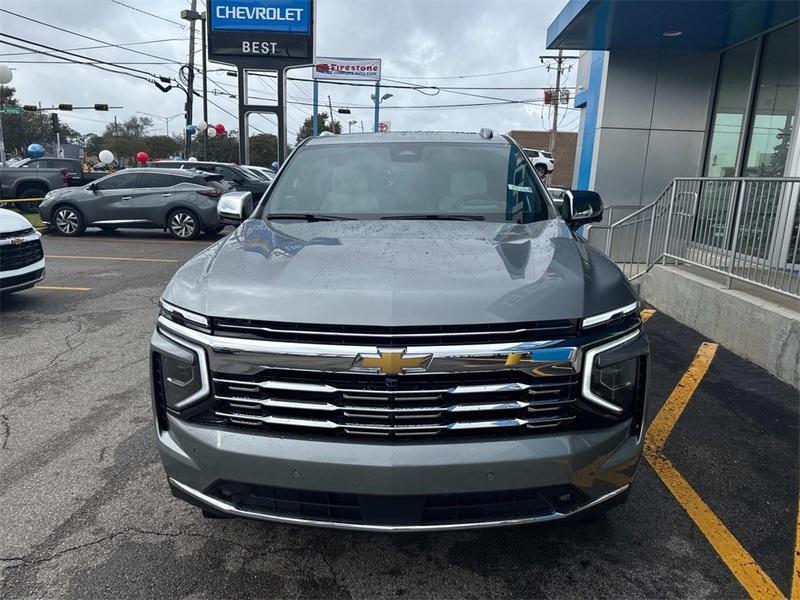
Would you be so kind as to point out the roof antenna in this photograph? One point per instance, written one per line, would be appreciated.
(486, 133)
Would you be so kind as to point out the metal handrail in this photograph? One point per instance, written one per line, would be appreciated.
(745, 228)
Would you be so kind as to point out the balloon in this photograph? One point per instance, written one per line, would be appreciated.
(142, 157)
(190, 129)
(36, 151)
(212, 132)
(275, 165)
(219, 128)
(202, 126)
(106, 157)
(5, 74)
(192, 159)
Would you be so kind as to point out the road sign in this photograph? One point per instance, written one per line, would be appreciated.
(384, 126)
(352, 69)
(14, 110)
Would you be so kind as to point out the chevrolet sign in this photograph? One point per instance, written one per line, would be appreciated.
(284, 16)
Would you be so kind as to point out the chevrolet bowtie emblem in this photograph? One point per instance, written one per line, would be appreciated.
(391, 362)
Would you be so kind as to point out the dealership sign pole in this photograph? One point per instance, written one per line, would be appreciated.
(261, 35)
(343, 69)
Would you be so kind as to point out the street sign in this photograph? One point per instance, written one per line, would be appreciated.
(14, 110)
(261, 34)
(348, 69)
(384, 126)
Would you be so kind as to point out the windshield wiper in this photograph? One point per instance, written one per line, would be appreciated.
(434, 217)
(309, 217)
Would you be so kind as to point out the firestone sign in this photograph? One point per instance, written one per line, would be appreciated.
(353, 69)
(266, 34)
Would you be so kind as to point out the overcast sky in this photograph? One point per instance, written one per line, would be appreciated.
(418, 40)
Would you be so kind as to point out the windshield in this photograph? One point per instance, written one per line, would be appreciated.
(490, 182)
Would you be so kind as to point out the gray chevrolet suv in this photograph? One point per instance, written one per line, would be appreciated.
(404, 335)
(183, 202)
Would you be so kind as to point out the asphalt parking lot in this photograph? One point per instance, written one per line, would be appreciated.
(85, 511)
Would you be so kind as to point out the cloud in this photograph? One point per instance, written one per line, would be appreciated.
(415, 38)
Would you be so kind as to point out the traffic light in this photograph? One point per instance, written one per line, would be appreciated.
(101, 106)
(30, 108)
(54, 122)
(65, 107)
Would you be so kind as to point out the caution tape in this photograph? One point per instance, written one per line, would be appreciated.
(18, 200)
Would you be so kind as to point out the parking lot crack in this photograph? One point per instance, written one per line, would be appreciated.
(68, 340)
(5, 431)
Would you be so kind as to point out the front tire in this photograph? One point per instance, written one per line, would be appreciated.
(213, 230)
(68, 221)
(541, 171)
(183, 224)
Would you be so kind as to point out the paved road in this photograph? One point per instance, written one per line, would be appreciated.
(85, 511)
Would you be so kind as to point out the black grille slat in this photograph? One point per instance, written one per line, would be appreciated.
(9, 282)
(18, 233)
(17, 256)
(392, 336)
(431, 509)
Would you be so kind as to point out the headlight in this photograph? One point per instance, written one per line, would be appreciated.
(614, 374)
(182, 371)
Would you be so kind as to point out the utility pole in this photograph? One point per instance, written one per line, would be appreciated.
(556, 97)
(330, 115)
(205, 88)
(190, 83)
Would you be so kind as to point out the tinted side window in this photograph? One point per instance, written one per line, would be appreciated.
(532, 153)
(227, 174)
(118, 182)
(156, 180)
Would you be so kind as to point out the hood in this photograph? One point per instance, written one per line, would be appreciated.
(12, 221)
(396, 273)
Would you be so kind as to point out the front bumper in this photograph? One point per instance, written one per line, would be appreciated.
(599, 465)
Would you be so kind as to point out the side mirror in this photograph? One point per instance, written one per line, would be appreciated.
(93, 186)
(581, 207)
(234, 207)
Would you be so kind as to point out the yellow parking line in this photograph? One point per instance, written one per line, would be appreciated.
(647, 313)
(157, 260)
(148, 241)
(752, 577)
(62, 288)
(749, 574)
(669, 414)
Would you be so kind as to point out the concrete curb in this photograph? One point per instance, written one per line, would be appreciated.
(757, 329)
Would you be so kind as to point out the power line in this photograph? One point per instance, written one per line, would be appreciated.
(52, 62)
(86, 37)
(69, 60)
(471, 76)
(81, 56)
(99, 46)
(144, 12)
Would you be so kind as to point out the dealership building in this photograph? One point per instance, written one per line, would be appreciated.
(688, 130)
(679, 88)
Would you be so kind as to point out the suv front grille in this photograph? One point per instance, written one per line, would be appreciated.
(408, 406)
(395, 336)
(13, 256)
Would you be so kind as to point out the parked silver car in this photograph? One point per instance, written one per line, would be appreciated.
(181, 201)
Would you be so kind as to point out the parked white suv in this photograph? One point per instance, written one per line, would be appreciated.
(21, 255)
(542, 161)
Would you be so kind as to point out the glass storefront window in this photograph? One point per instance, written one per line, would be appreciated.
(733, 91)
(775, 104)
